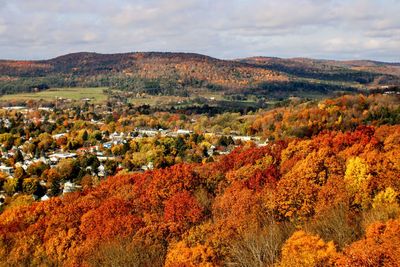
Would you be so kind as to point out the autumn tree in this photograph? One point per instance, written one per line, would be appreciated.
(356, 179)
(380, 247)
(31, 186)
(182, 255)
(182, 210)
(303, 249)
(67, 169)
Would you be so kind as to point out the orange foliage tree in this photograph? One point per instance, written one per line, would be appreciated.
(303, 249)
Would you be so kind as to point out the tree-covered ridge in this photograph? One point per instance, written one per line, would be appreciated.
(174, 73)
(325, 198)
(361, 71)
(134, 71)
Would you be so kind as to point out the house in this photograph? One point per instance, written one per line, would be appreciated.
(91, 149)
(103, 158)
(7, 170)
(117, 137)
(107, 145)
(101, 171)
(181, 131)
(210, 151)
(46, 109)
(26, 164)
(263, 144)
(7, 123)
(42, 159)
(151, 132)
(391, 93)
(15, 108)
(58, 156)
(69, 187)
(58, 136)
(242, 138)
(163, 132)
(44, 198)
(147, 167)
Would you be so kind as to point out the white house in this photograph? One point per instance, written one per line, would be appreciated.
(181, 131)
(58, 136)
(7, 170)
(69, 187)
(242, 138)
(44, 198)
(147, 167)
(58, 156)
(101, 171)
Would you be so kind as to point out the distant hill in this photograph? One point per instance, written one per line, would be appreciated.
(365, 72)
(176, 73)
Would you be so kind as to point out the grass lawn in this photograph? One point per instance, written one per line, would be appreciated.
(75, 93)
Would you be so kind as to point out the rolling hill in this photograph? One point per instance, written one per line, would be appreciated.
(177, 73)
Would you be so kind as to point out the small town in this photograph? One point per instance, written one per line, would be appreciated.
(66, 159)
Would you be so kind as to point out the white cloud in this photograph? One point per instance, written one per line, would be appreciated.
(225, 29)
(3, 27)
(89, 36)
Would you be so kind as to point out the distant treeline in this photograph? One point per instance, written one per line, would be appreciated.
(155, 86)
(296, 88)
(333, 74)
(168, 85)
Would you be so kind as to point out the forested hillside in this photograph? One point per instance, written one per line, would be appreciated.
(323, 197)
(176, 73)
(361, 71)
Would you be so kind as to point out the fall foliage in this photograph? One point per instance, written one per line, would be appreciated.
(328, 198)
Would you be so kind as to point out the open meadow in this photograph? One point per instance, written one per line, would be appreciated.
(96, 94)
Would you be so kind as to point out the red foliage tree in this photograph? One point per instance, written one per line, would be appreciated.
(182, 210)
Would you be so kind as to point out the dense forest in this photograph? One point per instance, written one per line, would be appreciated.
(176, 73)
(363, 72)
(322, 191)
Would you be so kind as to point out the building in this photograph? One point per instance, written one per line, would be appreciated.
(91, 149)
(147, 167)
(182, 131)
(7, 170)
(242, 138)
(69, 187)
(56, 157)
(101, 171)
(44, 198)
(151, 132)
(58, 136)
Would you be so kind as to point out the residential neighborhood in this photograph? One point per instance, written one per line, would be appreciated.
(48, 152)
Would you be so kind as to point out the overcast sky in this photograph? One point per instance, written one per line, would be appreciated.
(332, 29)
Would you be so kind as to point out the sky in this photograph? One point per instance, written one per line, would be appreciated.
(228, 29)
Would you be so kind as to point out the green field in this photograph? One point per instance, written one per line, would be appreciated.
(76, 93)
(157, 100)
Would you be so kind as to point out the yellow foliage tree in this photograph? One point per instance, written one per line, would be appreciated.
(385, 197)
(356, 178)
(384, 207)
